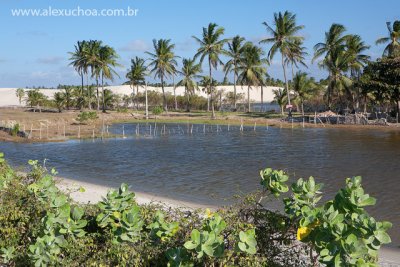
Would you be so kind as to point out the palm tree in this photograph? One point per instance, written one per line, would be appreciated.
(163, 63)
(296, 55)
(109, 99)
(304, 87)
(136, 75)
(251, 69)
(280, 98)
(284, 34)
(190, 71)
(35, 98)
(235, 50)
(59, 101)
(79, 59)
(208, 87)
(355, 48)
(93, 61)
(20, 93)
(393, 48)
(337, 64)
(211, 45)
(67, 95)
(333, 49)
(107, 61)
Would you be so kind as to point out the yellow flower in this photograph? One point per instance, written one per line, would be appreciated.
(303, 232)
(208, 214)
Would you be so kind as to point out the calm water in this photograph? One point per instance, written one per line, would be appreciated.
(210, 167)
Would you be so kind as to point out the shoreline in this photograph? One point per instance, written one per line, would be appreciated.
(94, 193)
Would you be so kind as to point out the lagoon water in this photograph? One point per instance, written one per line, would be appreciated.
(210, 167)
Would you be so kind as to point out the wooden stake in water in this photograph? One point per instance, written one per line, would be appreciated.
(150, 129)
(255, 125)
(191, 129)
(93, 135)
(204, 128)
(228, 127)
(79, 132)
(123, 131)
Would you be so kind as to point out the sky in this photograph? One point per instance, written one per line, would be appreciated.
(34, 50)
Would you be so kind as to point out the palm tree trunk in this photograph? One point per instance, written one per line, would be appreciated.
(302, 108)
(248, 99)
(211, 91)
(286, 83)
(88, 92)
(234, 89)
(262, 97)
(137, 98)
(187, 99)
(102, 90)
(97, 91)
(176, 103)
(164, 98)
(81, 101)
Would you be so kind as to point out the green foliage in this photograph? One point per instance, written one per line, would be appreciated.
(157, 110)
(247, 241)
(7, 254)
(41, 226)
(162, 229)
(15, 130)
(274, 181)
(87, 116)
(208, 242)
(340, 231)
(178, 257)
(121, 215)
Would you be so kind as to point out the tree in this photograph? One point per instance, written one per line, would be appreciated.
(382, 79)
(235, 50)
(190, 71)
(284, 35)
(163, 63)
(20, 93)
(93, 61)
(355, 48)
(304, 88)
(35, 98)
(79, 59)
(208, 87)
(280, 98)
(107, 61)
(109, 99)
(136, 76)
(211, 46)
(333, 49)
(68, 97)
(251, 69)
(59, 101)
(393, 48)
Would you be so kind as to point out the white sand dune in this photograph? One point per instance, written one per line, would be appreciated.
(8, 95)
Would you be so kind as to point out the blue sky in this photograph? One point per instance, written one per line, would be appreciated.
(34, 50)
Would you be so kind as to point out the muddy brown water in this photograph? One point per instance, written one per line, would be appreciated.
(209, 164)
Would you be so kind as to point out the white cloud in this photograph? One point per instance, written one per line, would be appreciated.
(50, 60)
(135, 46)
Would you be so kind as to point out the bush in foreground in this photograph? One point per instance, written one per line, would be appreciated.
(41, 226)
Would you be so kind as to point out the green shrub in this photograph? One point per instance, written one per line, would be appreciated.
(157, 110)
(87, 116)
(15, 130)
(40, 225)
(340, 231)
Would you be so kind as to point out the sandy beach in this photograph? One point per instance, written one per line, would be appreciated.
(94, 193)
